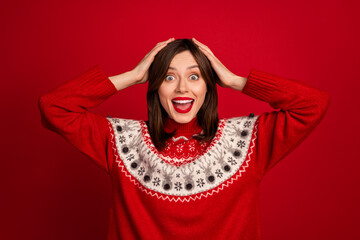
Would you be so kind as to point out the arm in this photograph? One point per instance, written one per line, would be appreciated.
(301, 108)
(123, 80)
(64, 110)
(279, 132)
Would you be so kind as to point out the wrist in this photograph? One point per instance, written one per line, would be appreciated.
(123, 80)
(238, 83)
(132, 77)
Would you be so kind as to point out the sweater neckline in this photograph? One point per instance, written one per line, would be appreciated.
(174, 160)
(182, 129)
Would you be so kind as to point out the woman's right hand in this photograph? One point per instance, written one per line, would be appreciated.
(141, 71)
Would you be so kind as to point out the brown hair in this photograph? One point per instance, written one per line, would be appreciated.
(207, 115)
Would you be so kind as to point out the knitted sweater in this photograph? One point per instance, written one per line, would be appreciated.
(190, 190)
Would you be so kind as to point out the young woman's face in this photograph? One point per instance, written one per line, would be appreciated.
(183, 90)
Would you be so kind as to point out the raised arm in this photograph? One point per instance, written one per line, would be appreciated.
(64, 110)
(279, 132)
(140, 73)
(301, 109)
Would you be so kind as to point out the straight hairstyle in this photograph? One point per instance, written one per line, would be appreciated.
(207, 115)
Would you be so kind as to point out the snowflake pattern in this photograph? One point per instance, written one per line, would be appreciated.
(241, 143)
(156, 181)
(122, 139)
(178, 186)
(130, 157)
(203, 144)
(141, 171)
(179, 148)
(189, 178)
(200, 182)
(247, 124)
(218, 173)
(231, 160)
(192, 147)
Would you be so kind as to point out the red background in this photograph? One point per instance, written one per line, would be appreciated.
(52, 191)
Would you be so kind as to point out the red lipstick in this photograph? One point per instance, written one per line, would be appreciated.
(182, 104)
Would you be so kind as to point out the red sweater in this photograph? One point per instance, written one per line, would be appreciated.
(189, 190)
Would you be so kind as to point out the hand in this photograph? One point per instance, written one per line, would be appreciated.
(227, 78)
(141, 71)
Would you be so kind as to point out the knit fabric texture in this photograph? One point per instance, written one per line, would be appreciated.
(189, 190)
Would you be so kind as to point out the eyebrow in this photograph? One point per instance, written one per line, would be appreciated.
(193, 66)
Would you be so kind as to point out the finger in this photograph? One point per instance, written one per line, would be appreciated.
(215, 62)
(199, 43)
(203, 45)
(167, 41)
(210, 56)
(208, 49)
(207, 52)
(162, 44)
(158, 47)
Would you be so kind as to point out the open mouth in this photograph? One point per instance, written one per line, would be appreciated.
(182, 105)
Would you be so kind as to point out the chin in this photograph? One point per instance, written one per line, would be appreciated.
(183, 119)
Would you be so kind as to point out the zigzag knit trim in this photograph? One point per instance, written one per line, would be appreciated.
(182, 198)
(174, 159)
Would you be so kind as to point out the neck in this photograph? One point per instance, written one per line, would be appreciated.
(182, 129)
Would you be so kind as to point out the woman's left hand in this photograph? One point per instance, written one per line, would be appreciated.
(227, 78)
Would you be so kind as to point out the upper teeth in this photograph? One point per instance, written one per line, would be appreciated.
(182, 101)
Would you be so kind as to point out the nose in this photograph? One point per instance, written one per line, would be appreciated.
(182, 86)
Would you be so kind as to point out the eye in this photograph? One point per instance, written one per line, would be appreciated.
(194, 77)
(169, 77)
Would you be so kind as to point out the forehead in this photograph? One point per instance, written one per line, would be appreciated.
(183, 60)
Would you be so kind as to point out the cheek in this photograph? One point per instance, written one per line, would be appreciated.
(163, 96)
(200, 91)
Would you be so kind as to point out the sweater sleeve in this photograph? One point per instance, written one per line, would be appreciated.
(64, 110)
(302, 107)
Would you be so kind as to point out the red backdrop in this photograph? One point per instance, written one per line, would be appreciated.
(52, 191)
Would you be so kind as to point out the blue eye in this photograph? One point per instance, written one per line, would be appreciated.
(197, 77)
(167, 77)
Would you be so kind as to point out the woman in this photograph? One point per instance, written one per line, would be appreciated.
(184, 173)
